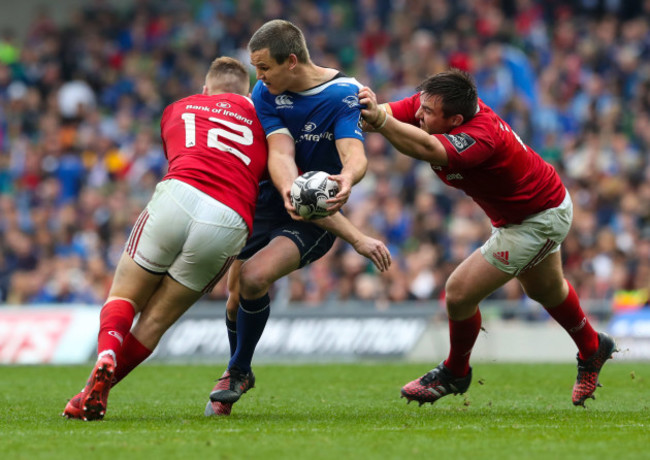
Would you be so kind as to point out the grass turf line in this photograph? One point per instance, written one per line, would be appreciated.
(329, 411)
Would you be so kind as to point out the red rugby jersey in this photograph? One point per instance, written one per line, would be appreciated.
(217, 144)
(490, 163)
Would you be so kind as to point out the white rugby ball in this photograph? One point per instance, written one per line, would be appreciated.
(310, 192)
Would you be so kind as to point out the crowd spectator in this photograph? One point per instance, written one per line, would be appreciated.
(80, 152)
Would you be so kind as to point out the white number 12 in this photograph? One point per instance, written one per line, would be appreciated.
(245, 138)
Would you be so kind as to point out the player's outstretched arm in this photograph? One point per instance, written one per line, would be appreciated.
(368, 247)
(408, 139)
(367, 127)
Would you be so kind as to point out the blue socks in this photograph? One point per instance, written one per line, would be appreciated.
(231, 327)
(251, 320)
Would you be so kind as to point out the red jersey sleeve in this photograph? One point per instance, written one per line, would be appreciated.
(405, 109)
(467, 146)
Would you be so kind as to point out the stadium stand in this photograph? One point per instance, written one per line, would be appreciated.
(80, 101)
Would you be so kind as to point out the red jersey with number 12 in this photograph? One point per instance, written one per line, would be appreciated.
(217, 144)
(489, 162)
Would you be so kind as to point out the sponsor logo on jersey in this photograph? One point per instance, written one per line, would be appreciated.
(234, 115)
(436, 168)
(223, 105)
(316, 137)
(501, 256)
(461, 142)
(197, 107)
(309, 126)
(284, 101)
(455, 176)
(352, 101)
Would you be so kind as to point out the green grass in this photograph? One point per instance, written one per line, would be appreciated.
(330, 412)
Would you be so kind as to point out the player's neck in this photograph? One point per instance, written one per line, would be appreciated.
(308, 76)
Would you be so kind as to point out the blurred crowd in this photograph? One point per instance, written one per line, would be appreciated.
(80, 152)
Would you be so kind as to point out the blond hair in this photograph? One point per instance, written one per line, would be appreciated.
(227, 75)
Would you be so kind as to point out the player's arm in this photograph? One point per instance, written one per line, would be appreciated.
(282, 166)
(355, 163)
(408, 139)
(367, 127)
(365, 245)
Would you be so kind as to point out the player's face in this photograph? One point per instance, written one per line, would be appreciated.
(274, 76)
(431, 116)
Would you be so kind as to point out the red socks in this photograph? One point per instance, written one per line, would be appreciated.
(132, 354)
(115, 321)
(570, 316)
(462, 336)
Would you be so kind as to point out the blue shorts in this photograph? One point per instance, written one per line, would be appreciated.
(312, 241)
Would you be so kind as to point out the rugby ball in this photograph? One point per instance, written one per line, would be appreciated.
(310, 192)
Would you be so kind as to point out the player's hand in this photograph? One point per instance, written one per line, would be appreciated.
(374, 250)
(291, 209)
(372, 114)
(345, 188)
(366, 127)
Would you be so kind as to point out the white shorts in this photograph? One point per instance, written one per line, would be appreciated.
(187, 234)
(516, 248)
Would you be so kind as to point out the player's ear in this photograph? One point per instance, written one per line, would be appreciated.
(457, 120)
(293, 61)
(205, 90)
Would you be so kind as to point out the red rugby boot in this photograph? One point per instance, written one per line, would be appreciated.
(232, 384)
(589, 369)
(435, 384)
(217, 408)
(73, 408)
(95, 395)
(229, 388)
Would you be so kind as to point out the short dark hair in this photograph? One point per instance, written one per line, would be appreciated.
(457, 92)
(228, 75)
(282, 38)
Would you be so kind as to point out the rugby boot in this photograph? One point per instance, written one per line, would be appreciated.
(589, 369)
(232, 384)
(73, 408)
(217, 408)
(95, 394)
(435, 384)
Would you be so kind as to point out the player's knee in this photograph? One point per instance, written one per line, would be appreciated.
(454, 304)
(232, 305)
(455, 297)
(254, 281)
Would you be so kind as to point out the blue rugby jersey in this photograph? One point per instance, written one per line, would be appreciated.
(315, 118)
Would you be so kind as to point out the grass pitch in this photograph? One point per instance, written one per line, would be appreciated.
(329, 412)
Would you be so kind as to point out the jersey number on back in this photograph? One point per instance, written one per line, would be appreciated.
(510, 130)
(245, 138)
